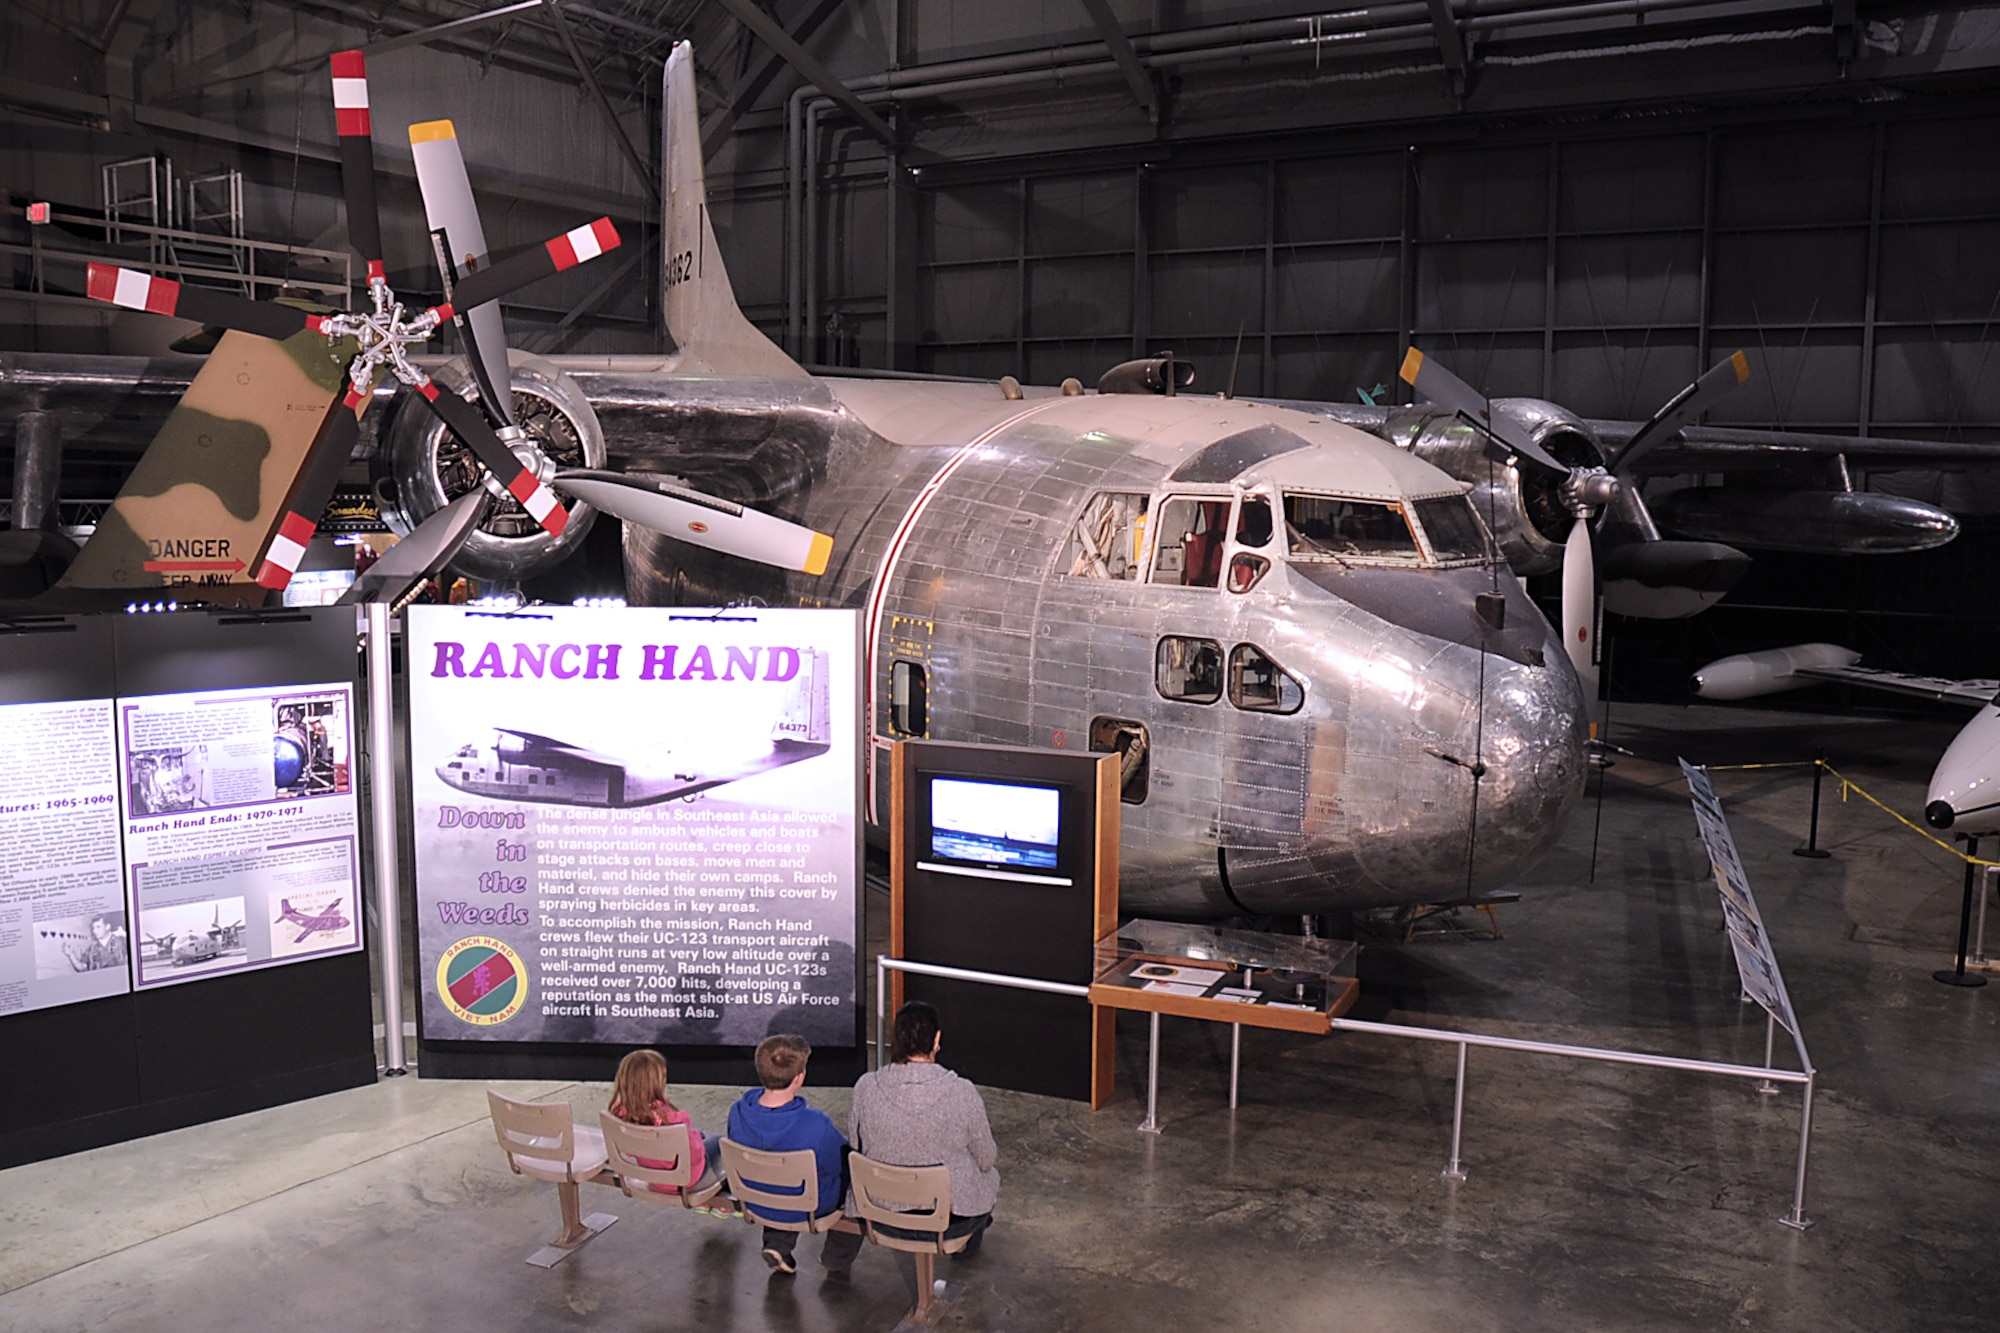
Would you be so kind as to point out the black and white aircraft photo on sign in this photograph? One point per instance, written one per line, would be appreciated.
(528, 767)
(1303, 630)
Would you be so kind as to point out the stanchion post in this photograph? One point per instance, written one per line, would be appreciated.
(1152, 1125)
(881, 989)
(1455, 1169)
(1958, 976)
(1797, 1219)
(1812, 848)
(382, 813)
(1979, 958)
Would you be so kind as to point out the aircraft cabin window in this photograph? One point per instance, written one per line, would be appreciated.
(1452, 525)
(1130, 742)
(1189, 550)
(1105, 542)
(1259, 685)
(909, 691)
(1326, 527)
(1189, 670)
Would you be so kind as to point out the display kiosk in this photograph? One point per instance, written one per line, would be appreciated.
(1005, 861)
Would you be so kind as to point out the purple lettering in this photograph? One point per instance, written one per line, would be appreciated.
(533, 656)
(658, 663)
(789, 656)
(747, 660)
(604, 656)
(699, 660)
(556, 667)
(489, 663)
(450, 660)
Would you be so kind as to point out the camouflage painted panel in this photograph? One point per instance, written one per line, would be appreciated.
(202, 501)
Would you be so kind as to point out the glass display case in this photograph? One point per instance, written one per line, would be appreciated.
(1225, 976)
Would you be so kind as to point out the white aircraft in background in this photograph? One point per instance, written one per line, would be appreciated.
(1964, 791)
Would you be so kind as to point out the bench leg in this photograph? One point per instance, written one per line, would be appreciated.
(576, 1228)
(933, 1297)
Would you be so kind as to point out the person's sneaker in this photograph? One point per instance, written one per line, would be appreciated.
(780, 1261)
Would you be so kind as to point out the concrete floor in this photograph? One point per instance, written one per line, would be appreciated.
(1600, 1197)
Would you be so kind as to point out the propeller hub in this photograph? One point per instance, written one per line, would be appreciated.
(1588, 490)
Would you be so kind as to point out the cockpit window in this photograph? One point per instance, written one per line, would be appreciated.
(1453, 528)
(1189, 544)
(1105, 541)
(1326, 527)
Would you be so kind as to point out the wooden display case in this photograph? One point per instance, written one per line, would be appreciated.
(1225, 976)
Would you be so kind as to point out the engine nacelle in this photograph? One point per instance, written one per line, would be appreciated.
(1523, 504)
(429, 467)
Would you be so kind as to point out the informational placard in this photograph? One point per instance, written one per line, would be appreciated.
(240, 829)
(1756, 964)
(636, 825)
(64, 936)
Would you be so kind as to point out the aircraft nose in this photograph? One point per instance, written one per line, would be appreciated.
(1533, 745)
(1965, 787)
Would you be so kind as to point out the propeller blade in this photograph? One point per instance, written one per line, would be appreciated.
(449, 207)
(311, 489)
(565, 251)
(702, 520)
(357, 158)
(1445, 389)
(429, 548)
(470, 425)
(1717, 381)
(163, 296)
(1579, 611)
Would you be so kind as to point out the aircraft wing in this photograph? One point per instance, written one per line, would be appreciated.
(1742, 449)
(1975, 693)
(549, 745)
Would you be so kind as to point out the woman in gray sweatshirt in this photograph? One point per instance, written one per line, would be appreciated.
(915, 1112)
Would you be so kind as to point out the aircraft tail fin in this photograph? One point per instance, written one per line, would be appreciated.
(702, 315)
(209, 492)
(807, 715)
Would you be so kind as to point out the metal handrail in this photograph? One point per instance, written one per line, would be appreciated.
(1454, 1168)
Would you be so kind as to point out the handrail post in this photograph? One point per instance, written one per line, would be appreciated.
(387, 830)
(1235, 1059)
(1455, 1169)
(1766, 1086)
(1797, 1219)
(881, 989)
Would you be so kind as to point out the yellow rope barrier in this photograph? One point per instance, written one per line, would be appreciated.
(1848, 784)
(1731, 768)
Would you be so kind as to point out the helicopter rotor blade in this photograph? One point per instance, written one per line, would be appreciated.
(357, 158)
(577, 246)
(134, 290)
(470, 425)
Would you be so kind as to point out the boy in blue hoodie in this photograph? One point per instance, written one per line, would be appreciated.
(776, 1119)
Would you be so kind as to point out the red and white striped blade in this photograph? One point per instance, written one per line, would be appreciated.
(163, 296)
(701, 520)
(470, 425)
(357, 157)
(576, 246)
(449, 206)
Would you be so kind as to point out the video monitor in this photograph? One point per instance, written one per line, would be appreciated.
(1000, 829)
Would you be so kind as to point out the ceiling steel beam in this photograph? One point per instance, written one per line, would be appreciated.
(625, 145)
(431, 34)
(1451, 45)
(1129, 65)
(767, 30)
(752, 85)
